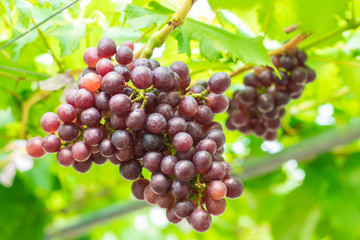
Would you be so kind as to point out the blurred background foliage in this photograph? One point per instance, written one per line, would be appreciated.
(303, 186)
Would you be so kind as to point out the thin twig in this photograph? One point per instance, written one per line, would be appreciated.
(24, 71)
(38, 25)
(26, 106)
(291, 28)
(18, 78)
(42, 35)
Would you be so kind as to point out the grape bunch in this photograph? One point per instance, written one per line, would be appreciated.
(140, 115)
(259, 106)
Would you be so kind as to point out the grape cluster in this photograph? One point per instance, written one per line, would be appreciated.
(259, 106)
(138, 114)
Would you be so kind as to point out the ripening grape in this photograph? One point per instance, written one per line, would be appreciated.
(106, 47)
(34, 147)
(49, 122)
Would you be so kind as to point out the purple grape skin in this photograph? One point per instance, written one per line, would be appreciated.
(235, 188)
(288, 62)
(180, 189)
(156, 123)
(124, 55)
(182, 142)
(154, 63)
(51, 143)
(219, 82)
(202, 161)
(266, 78)
(180, 68)
(176, 125)
(64, 157)
(81, 151)
(188, 106)
(66, 113)
(216, 172)
(163, 78)
(138, 187)
(151, 103)
(120, 104)
(142, 62)
(124, 71)
(70, 96)
(106, 148)
(98, 159)
(204, 115)
(106, 47)
(152, 161)
(122, 139)
(152, 142)
(68, 132)
(195, 130)
(167, 165)
(248, 95)
(184, 170)
(93, 136)
(283, 80)
(102, 100)
(171, 217)
(208, 145)
(142, 77)
(84, 99)
(113, 83)
(218, 103)
(299, 75)
(218, 136)
(200, 220)
(82, 167)
(166, 110)
(172, 98)
(183, 208)
(125, 155)
(252, 80)
(136, 119)
(50, 122)
(130, 170)
(165, 201)
(160, 184)
(91, 117)
(118, 123)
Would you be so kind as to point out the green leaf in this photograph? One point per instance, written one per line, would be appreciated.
(24, 12)
(139, 17)
(215, 43)
(69, 36)
(183, 43)
(54, 3)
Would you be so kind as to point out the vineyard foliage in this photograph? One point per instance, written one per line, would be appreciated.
(315, 199)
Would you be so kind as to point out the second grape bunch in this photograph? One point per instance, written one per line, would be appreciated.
(138, 114)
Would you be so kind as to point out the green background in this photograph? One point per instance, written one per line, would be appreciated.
(304, 186)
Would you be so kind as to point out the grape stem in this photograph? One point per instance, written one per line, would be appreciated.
(291, 28)
(200, 95)
(159, 37)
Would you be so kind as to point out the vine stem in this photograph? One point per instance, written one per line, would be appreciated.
(26, 106)
(159, 37)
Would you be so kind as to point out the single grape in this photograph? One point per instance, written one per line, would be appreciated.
(120, 104)
(311, 75)
(142, 77)
(124, 55)
(122, 139)
(301, 57)
(167, 165)
(204, 115)
(152, 161)
(106, 148)
(128, 44)
(68, 132)
(299, 75)
(154, 64)
(180, 189)
(266, 78)
(118, 123)
(176, 125)
(70, 96)
(200, 220)
(91, 81)
(152, 142)
(216, 190)
(184, 83)
(84, 99)
(216, 172)
(98, 159)
(219, 82)
(288, 62)
(183, 208)
(104, 66)
(218, 136)
(271, 136)
(208, 145)
(136, 119)
(51, 143)
(265, 103)
(215, 207)
(165, 201)
(171, 217)
(91, 57)
(160, 184)
(102, 100)
(66, 113)
(184, 170)
(93, 136)
(34, 148)
(248, 95)
(171, 97)
(82, 167)
(163, 78)
(138, 187)
(151, 103)
(194, 130)
(125, 155)
(156, 123)
(113, 83)
(106, 47)
(130, 170)
(281, 98)
(188, 106)
(149, 195)
(166, 110)
(180, 68)
(143, 62)
(186, 155)
(218, 103)
(283, 80)
(113, 159)
(49, 122)
(202, 161)
(238, 118)
(64, 157)
(235, 188)
(81, 151)
(252, 80)
(182, 142)
(91, 117)
(124, 71)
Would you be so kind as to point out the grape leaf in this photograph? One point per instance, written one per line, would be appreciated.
(24, 12)
(215, 43)
(69, 36)
(139, 17)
